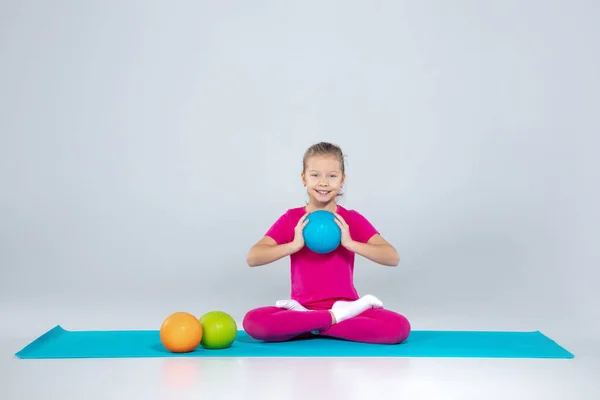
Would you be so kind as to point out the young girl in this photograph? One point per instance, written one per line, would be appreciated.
(324, 300)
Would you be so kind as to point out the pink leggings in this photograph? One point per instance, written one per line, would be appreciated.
(273, 324)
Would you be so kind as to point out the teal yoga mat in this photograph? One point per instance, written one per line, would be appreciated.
(61, 343)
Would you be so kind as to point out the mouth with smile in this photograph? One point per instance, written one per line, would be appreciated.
(323, 192)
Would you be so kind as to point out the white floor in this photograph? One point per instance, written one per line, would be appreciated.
(301, 378)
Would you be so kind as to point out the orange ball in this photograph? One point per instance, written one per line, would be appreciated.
(181, 332)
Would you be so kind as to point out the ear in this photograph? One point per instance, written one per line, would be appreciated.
(343, 180)
(302, 178)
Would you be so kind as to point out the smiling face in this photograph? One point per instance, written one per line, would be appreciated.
(323, 178)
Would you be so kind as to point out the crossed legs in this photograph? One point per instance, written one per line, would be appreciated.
(364, 320)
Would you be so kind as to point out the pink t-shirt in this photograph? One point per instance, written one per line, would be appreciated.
(318, 280)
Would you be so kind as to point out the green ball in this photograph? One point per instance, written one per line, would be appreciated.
(219, 330)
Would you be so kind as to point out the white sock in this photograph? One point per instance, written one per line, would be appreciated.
(343, 310)
(290, 305)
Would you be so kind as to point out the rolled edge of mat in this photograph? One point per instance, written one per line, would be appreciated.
(49, 335)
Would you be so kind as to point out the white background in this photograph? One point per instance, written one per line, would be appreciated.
(144, 147)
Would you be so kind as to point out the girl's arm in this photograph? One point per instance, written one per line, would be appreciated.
(267, 251)
(377, 249)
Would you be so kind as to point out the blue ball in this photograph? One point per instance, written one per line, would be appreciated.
(321, 233)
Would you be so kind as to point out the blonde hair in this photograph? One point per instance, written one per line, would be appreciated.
(324, 149)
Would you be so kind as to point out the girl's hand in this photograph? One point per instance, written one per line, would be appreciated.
(298, 242)
(346, 239)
